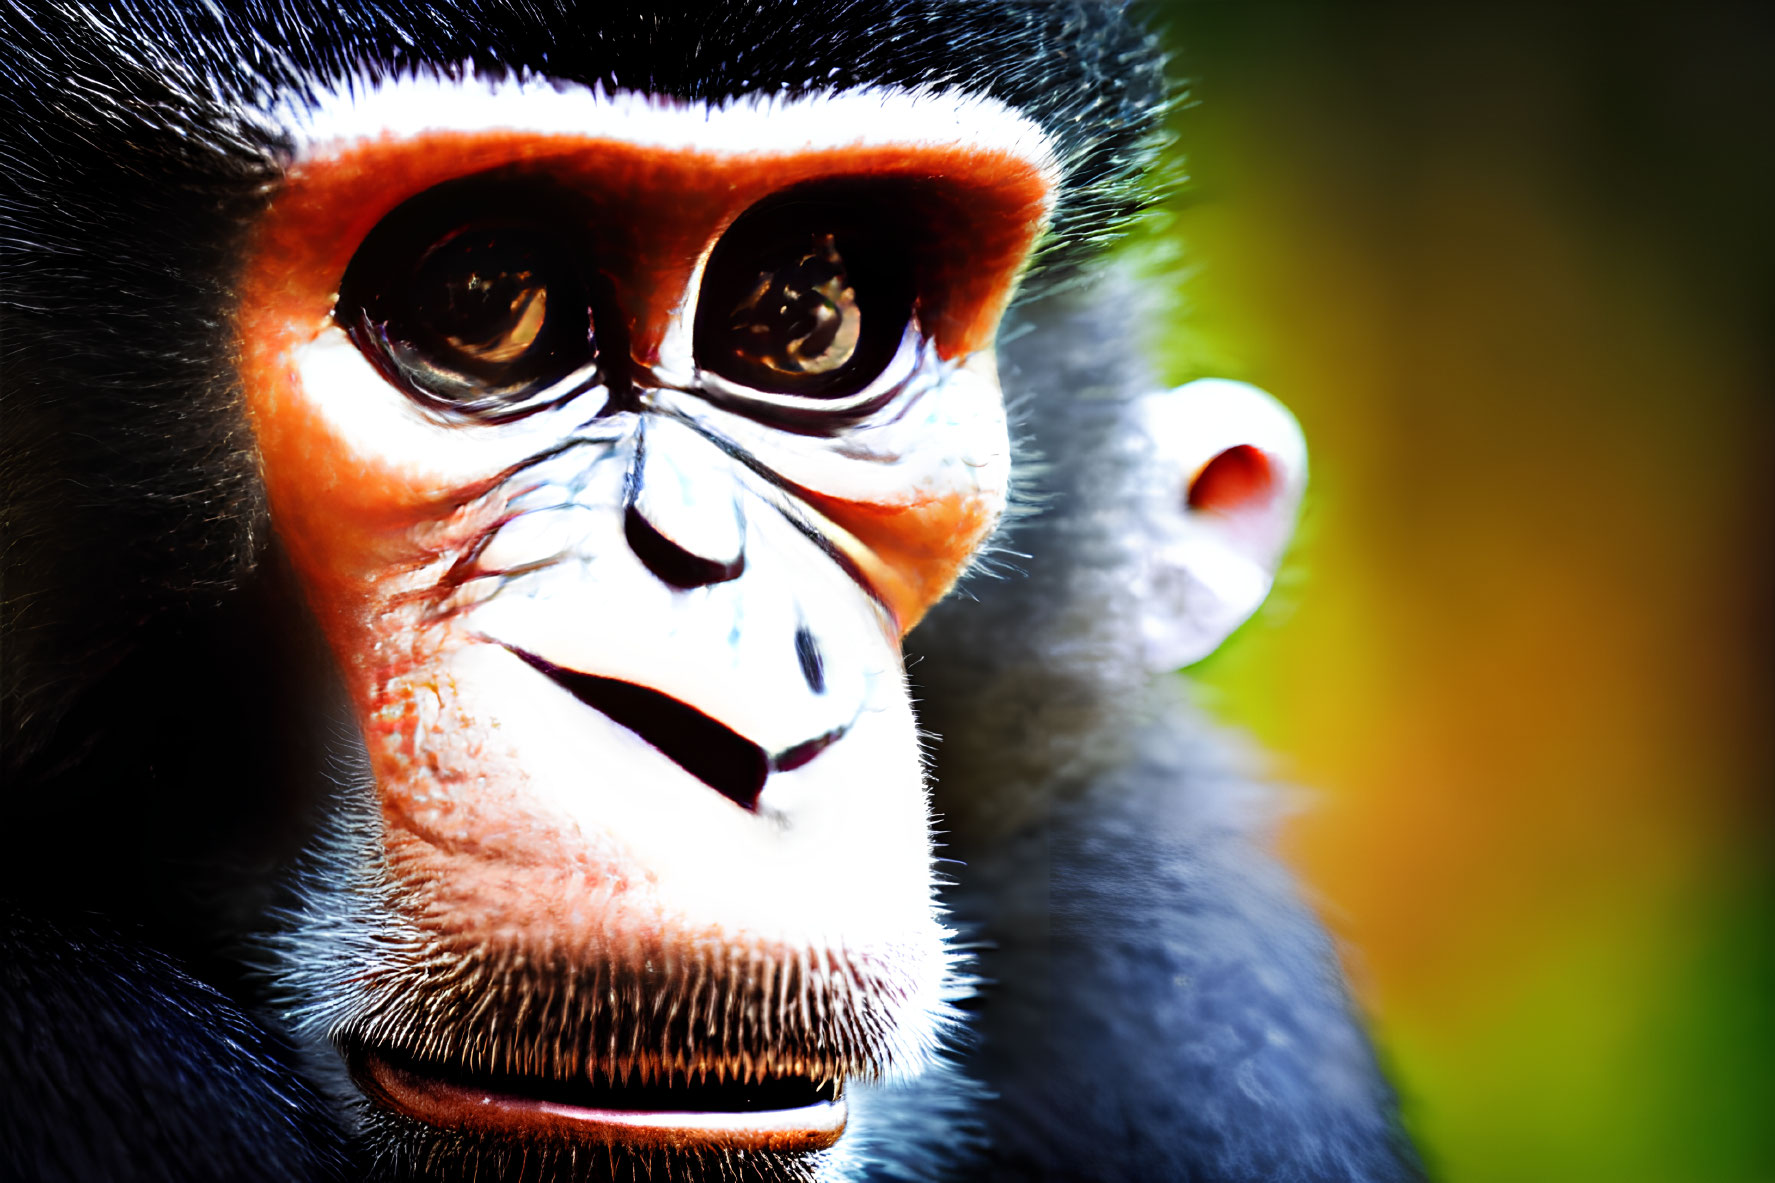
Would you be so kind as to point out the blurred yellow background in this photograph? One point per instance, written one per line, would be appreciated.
(1513, 266)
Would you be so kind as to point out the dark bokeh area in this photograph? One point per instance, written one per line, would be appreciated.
(1513, 267)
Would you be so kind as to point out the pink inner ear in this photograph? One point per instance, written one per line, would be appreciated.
(1242, 477)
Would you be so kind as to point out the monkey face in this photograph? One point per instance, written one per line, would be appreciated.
(616, 445)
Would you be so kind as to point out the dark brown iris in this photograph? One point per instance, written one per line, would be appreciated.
(801, 318)
(803, 298)
(489, 302)
(469, 310)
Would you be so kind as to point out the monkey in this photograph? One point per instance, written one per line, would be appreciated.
(468, 475)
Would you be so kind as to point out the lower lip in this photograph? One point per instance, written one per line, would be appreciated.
(448, 1105)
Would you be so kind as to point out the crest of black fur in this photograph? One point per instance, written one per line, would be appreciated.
(136, 158)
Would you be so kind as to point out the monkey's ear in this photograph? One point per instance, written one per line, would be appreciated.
(1222, 469)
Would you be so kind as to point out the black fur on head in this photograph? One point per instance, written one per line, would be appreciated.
(138, 152)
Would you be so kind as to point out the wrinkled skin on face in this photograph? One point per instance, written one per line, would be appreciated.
(614, 474)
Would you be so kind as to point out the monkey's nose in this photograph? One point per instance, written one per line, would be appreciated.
(682, 519)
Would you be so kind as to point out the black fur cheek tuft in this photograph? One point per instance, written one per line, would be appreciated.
(116, 1064)
(127, 487)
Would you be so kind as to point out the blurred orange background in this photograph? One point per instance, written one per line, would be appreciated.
(1513, 267)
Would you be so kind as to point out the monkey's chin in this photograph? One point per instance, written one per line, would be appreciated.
(775, 1117)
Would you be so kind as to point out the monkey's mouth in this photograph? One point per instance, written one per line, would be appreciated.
(781, 1115)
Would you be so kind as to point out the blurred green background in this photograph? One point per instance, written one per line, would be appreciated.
(1513, 266)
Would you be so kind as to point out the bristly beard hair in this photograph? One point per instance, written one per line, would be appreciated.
(348, 972)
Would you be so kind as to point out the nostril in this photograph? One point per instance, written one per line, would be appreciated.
(712, 752)
(672, 563)
(813, 664)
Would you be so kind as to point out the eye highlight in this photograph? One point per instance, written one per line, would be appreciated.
(800, 298)
(473, 308)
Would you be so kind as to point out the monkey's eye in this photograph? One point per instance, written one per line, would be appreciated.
(490, 318)
(800, 320)
(798, 302)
